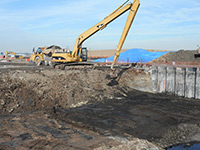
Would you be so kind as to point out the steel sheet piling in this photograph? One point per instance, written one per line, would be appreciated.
(178, 81)
(170, 85)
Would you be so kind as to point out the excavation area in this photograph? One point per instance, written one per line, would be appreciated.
(45, 108)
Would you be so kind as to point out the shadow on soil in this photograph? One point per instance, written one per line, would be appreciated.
(115, 77)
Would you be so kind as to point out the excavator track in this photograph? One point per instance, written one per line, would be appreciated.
(75, 66)
(88, 66)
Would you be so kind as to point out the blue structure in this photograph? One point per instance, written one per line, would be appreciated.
(135, 55)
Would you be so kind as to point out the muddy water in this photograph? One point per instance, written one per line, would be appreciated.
(186, 147)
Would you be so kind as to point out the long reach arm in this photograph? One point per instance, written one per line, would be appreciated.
(131, 16)
(101, 25)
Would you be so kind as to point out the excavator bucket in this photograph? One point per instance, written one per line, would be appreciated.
(112, 75)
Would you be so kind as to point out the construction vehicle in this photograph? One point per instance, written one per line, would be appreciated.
(43, 54)
(37, 56)
(79, 53)
(198, 52)
(16, 56)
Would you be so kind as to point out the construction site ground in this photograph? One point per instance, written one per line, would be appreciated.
(45, 108)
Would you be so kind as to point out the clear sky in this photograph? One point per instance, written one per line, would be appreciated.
(159, 24)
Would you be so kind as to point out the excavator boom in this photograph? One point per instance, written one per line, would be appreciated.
(131, 16)
(101, 25)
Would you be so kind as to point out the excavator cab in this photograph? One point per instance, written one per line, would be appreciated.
(39, 51)
(84, 54)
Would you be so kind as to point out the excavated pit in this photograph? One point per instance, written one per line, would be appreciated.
(42, 108)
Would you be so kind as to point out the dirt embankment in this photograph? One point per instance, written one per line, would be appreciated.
(42, 89)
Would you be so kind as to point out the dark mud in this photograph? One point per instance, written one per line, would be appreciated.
(160, 119)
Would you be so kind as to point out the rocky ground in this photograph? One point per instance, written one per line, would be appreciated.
(43, 108)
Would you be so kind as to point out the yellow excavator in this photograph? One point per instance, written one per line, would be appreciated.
(79, 53)
(16, 56)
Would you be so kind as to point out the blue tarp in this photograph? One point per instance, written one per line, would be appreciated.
(134, 55)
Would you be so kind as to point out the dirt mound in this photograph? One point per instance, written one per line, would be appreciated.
(33, 90)
(181, 55)
(14, 94)
(52, 49)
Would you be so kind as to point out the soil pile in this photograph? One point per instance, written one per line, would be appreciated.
(43, 89)
(181, 55)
